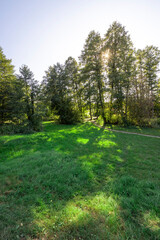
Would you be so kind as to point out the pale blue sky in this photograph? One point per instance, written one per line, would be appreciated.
(40, 33)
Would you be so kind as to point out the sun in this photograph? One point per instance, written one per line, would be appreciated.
(105, 55)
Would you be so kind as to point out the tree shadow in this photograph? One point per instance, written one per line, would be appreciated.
(58, 176)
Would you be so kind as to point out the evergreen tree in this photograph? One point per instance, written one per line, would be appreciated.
(8, 98)
(30, 89)
(58, 88)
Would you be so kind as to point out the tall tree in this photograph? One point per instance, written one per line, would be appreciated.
(29, 87)
(58, 88)
(92, 73)
(151, 69)
(118, 45)
(7, 89)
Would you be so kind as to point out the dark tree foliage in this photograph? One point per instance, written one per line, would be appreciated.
(112, 80)
(119, 68)
(7, 89)
(30, 89)
(91, 61)
(58, 81)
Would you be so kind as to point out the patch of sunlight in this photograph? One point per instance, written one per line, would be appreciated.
(97, 207)
(80, 210)
(119, 151)
(68, 131)
(109, 133)
(94, 158)
(128, 147)
(73, 212)
(82, 140)
(18, 153)
(57, 215)
(111, 167)
(117, 158)
(51, 139)
(103, 203)
(60, 150)
(106, 143)
(151, 221)
(12, 137)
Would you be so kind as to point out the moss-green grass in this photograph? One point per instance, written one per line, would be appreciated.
(133, 129)
(137, 129)
(79, 182)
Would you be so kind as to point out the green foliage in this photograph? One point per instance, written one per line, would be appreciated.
(119, 66)
(92, 75)
(24, 127)
(61, 97)
(8, 94)
(36, 122)
(112, 81)
(30, 90)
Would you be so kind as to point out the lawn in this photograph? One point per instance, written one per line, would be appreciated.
(79, 182)
(137, 129)
(133, 129)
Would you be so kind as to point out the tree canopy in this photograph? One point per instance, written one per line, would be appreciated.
(112, 80)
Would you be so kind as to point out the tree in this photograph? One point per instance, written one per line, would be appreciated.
(29, 88)
(120, 60)
(8, 98)
(58, 89)
(72, 80)
(151, 69)
(144, 89)
(92, 74)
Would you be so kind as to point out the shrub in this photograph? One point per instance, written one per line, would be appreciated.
(35, 123)
(26, 127)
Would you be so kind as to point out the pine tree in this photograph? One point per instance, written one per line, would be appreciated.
(60, 95)
(30, 89)
(8, 98)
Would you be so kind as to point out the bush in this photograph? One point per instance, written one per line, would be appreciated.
(35, 123)
(66, 111)
(15, 128)
(155, 123)
(26, 127)
(69, 116)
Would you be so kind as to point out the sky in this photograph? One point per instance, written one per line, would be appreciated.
(40, 33)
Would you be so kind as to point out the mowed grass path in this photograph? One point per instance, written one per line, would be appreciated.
(79, 182)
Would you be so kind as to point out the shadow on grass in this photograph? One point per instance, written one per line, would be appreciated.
(70, 182)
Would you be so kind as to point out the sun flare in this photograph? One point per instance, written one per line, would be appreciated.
(106, 55)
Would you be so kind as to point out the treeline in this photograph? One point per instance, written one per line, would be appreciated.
(112, 81)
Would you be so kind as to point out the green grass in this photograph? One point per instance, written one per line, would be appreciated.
(132, 129)
(136, 129)
(79, 182)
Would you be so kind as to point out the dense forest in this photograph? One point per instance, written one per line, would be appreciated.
(111, 81)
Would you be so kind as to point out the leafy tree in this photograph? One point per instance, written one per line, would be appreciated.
(58, 89)
(151, 69)
(8, 98)
(120, 60)
(92, 74)
(144, 89)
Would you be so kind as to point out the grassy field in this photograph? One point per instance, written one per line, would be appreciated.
(132, 129)
(147, 131)
(79, 182)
